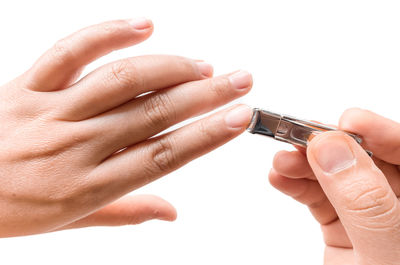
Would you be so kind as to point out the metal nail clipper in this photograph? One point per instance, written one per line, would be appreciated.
(289, 129)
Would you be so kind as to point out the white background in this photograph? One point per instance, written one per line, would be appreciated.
(311, 59)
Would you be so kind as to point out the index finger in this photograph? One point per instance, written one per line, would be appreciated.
(380, 135)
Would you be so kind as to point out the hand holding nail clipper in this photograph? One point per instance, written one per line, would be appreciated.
(353, 196)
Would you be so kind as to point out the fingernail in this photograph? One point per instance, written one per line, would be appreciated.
(140, 23)
(238, 117)
(241, 79)
(333, 154)
(206, 70)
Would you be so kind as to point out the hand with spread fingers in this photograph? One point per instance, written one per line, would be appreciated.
(353, 196)
(71, 149)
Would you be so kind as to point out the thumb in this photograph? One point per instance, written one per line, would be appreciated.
(129, 210)
(361, 195)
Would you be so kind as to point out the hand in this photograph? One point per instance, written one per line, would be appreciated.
(353, 197)
(70, 149)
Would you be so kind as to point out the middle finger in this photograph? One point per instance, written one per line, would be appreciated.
(119, 82)
(148, 115)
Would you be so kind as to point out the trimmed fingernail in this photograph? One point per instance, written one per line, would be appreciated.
(333, 154)
(238, 117)
(205, 69)
(241, 79)
(140, 23)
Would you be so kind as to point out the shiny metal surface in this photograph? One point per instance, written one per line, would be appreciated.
(289, 129)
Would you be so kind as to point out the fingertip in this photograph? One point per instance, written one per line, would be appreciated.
(313, 143)
(206, 70)
(170, 216)
(279, 160)
(301, 149)
(168, 213)
(238, 117)
(141, 23)
(276, 180)
(354, 120)
(272, 177)
(241, 80)
(292, 164)
(149, 207)
(160, 208)
(334, 152)
(138, 30)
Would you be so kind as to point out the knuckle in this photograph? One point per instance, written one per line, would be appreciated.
(315, 204)
(186, 65)
(219, 86)
(206, 132)
(61, 51)
(374, 203)
(178, 65)
(158, 109)
(163, 155)
(350, 118)
(301, 193)
(125, 74)
(303, 196)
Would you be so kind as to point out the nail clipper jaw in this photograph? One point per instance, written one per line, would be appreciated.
(282, 128)
(264, 122)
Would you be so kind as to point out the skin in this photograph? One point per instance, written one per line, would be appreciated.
(71, 149)
(352, 196)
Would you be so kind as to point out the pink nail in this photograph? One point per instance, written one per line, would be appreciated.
(333, 154)
(241, 79)
(238, 117)
(205, 69)
(140, 23)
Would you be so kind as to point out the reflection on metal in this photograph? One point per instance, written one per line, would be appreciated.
(289, 129)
